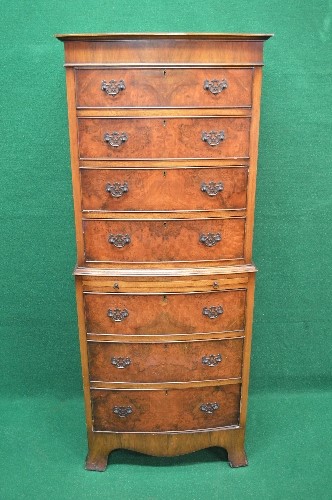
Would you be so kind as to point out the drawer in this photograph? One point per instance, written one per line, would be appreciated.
(164, 240)
(165, 362)
(206, 87)
(197, 137)
(165, 410)
(126, 189)
(121, 314)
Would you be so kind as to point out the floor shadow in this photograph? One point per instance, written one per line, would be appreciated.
(127, 457)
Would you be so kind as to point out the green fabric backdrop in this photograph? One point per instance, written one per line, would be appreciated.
(42, 425)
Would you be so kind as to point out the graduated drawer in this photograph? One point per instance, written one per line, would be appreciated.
(165, 410)
(126, 138)
(165, 362)
(206, 87)
(158, 314)
(163, 240)
(128, 189)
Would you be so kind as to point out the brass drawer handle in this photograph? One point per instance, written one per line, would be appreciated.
(122, 411)
(212, 312)
(117, 189)
(215, 86)
(115, 139)
(212, 188)
(210, 239)
(113, 87)
(121, 362)
(211, 360)
(213, 138)
(119, 240)
(209, 407)
(117, 315)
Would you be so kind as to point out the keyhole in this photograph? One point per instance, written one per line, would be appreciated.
(164, 174)
(164, 72)
(165, 224)
(165, 298)
(164, 123)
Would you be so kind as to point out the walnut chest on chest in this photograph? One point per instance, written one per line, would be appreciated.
(164, 137)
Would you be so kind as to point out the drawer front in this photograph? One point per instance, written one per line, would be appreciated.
(153, 314)
(198, 137)
(219, 87)
(119, 190)
(165, 410)
(168, 241)
(165, 362)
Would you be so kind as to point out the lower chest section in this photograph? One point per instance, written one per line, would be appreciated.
(165, 356)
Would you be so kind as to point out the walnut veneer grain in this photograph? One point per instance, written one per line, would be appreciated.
(164, 189)
(157, 87)
(157, 314)
(165, 362)
(166, 410)
(164, 137)
(164, 240)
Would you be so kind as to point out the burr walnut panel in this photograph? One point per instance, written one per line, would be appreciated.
(164, 87)
(135, 138)
(163, 314)
(117, 190)
(165, 410)
(158, 240)
(165, 362)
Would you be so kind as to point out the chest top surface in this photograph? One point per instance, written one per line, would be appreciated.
(164, 48)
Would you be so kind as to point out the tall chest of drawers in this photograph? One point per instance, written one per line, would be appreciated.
(164, 138)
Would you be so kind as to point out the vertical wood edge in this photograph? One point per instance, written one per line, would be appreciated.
(84, 351)
(247, 349)
(74, 160)
(253, 153)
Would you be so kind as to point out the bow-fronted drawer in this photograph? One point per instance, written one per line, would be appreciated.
(163, 314)
(135, 190)
(165, 410)
(163, 87)
(139, 240)
(165, 362)
(169, 137)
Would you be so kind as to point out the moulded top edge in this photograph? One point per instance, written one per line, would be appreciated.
(84, 37)
(88, 271)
